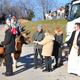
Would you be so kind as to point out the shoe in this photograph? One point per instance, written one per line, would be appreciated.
(50, 70)
(35, 67)
(41, 67)
(59, 65)
(8, 74)
(45, 70)
(4, 73)
(55, 66)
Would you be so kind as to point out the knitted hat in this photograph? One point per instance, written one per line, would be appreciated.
(39, 27)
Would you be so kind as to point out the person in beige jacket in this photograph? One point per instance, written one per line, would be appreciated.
(47, 49)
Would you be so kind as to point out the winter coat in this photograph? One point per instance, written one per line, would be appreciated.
(38, 36)
(13, 22)
(57, 50)
(14, 30)
(9, 42)
(47, 44)
(19, 27)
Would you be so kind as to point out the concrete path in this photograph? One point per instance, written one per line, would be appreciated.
(25, 69)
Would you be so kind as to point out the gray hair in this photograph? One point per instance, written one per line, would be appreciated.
(7, 26)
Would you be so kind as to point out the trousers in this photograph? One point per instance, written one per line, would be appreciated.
(36, 52)
(8, 63)
(48, 63)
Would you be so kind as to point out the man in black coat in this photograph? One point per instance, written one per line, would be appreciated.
(9, 43)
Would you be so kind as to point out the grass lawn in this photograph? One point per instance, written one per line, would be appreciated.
(50, 24)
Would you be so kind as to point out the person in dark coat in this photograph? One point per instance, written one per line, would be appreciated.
(38, 36)
(9, 43)
(57, 50)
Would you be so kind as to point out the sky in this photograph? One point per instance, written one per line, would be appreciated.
(38, 15)
(38, 10)
(64, 1)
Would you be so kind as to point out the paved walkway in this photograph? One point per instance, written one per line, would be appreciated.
(25, 69)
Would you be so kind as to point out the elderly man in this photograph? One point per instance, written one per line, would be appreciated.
(9, 43)
(38, 36)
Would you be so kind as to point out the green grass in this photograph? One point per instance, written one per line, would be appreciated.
(50, 24)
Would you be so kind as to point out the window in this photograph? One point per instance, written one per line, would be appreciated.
(75, 11)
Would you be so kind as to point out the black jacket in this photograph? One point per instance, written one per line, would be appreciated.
(9, 42)
(57, 50)
(70, 42)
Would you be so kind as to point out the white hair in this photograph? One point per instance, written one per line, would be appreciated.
(7, 26)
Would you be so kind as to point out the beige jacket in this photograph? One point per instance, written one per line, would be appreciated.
(47, 43)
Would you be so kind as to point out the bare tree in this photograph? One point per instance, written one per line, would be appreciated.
(25, 7)
(46, 5)
(18, 9)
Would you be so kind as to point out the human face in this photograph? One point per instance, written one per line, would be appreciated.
(39, 30)
(76, 28)
(5, 28)
(55, 32)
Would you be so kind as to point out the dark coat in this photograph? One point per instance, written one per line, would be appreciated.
(78, 43)
(38, 36)
(57, 50)
(70, 42)
(9, 42)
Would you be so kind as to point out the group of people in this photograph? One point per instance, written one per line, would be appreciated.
(47, 45)
(14, 25)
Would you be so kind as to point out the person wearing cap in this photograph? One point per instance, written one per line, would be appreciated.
(38, 36)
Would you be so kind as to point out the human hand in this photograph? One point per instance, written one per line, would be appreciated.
(37, 42)
(0, 42)
(77, 47)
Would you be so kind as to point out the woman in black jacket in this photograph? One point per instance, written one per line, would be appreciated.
(57, 50)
